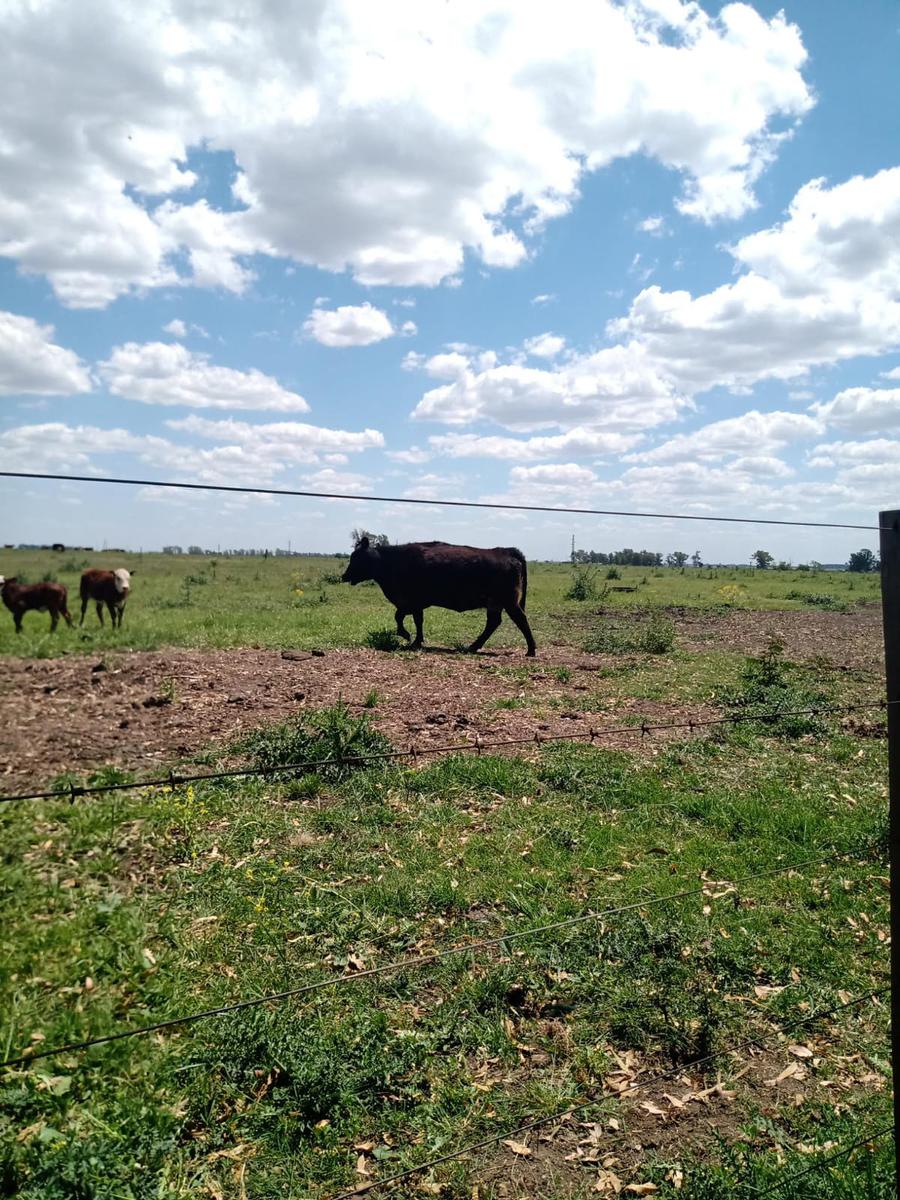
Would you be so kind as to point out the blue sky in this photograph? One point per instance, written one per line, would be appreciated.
(640, 255)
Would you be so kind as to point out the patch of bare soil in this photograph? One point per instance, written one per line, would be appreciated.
(142, 709)
(850, 641)
(674, 1120)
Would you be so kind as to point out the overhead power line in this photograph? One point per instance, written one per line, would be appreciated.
(33, 1055)
(492, 504)
(173, 778)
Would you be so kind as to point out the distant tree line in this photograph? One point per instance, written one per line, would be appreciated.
(635, 558)
(861, 561)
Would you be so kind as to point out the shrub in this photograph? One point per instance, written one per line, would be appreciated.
(613, 573)
(653, 635)
(330, 733)
(584, 584)
(768, 685)
(818, 600)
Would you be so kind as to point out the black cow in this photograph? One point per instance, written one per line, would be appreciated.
(419, 575)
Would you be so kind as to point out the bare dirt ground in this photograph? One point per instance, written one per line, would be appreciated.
(143, 709)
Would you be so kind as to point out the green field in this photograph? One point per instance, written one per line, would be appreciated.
(285, 602)
(131, 908)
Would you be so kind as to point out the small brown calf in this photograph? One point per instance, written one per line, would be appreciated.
(105, 587)
(21, 598)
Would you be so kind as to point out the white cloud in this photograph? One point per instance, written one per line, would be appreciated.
(563, 477)
(408, 329)
(294, 441)
(31, 364)
(753, 432)
(862, 410)
(60, 447)
(415, 455)
(170, 374)
(616, 389)
(544, 298)
(581, 442)
(834, 454)
(821, 287)
(544, 345)
(407, 134)
(350, 325)
(653, 225)
(176, 327)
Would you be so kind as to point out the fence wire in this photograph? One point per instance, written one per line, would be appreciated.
(33, 1055)
(440, 503)
(72, 791)
(574, 1110)
(791, 1179)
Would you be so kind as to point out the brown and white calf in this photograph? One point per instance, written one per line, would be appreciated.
(21, 598)
(105, 587)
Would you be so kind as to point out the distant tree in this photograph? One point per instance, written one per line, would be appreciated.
(863, 561)
(784, 565)
(763, 559)
(375, 539)
(195, 549)
(696, 560)
(676, 559)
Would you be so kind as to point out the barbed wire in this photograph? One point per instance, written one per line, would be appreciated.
(573, 1110)
(72, 791)
(33, 1055)
(491, 504)
(822, 1162)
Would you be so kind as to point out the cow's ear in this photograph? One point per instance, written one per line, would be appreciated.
(134, 572)
(362, 544)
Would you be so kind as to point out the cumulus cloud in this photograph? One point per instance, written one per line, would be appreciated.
(862, 409)
(176, 327)
(821, 287)
(544, 345)
(839, 454)
(389, 140)
(553, 477)
(31, 364)
(350, 325)
(294, 441)
(60, 447)
(615, 388)
(653, 225)
(581, 442)
(759, 433)
(170, 374)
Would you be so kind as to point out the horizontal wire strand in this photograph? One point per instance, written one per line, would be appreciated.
(176, 778)
(508, 1134)
(821, 1162)
(32, 1055)
(270, 491)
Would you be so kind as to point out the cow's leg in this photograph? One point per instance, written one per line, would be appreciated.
(84, 604)
(515, 613)
(418, 616)
(121, 614)
(111, 605)
(399, 614)
(494, 617)
(17, 617)
(68, 616)
(100, 611)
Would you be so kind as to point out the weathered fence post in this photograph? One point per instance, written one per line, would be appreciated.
(890, 599)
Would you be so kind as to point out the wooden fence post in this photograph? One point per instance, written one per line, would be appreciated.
(890, 600)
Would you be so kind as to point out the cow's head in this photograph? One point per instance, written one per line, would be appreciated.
(362, 563)
(123, 580)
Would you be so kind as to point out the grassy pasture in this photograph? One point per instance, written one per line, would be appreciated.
(133, 908)
(293, 602)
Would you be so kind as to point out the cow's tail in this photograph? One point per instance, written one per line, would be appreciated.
(520, 558)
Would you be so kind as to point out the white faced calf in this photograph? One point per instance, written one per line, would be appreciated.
(105, 587)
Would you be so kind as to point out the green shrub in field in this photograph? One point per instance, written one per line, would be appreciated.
(769, 684)
(655, 635)
(330, 733)
(382, 639)
(613, 573)
(818, 600)
(583, 585)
